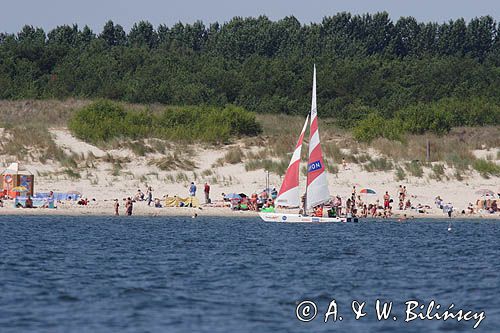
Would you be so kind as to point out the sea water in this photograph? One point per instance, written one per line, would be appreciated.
(210, 274)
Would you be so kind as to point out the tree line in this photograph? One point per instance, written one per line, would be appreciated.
(367, 64)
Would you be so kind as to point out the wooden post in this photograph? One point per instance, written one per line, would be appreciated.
(428, 151)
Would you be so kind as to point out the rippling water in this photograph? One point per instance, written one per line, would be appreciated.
(102, 274)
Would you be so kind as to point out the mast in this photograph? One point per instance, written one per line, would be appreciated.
(317, 186)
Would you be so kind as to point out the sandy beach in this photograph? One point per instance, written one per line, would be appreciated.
(101, 184)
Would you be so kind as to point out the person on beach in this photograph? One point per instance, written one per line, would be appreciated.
(139, 196)
(449, 209)
(116, 206)
(348, 204)
(129, 206)
(408, 204)
(364, 212)
(206, 190)
(344, 163)
(387, 199)
(150, 195)
(28, 203)
(192, 190)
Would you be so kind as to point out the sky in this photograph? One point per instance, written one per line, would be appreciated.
(50, 13)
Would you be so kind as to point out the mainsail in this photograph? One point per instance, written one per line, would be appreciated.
(289, 192)
(317, 187)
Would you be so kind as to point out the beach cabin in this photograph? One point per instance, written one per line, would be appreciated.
(14, 177)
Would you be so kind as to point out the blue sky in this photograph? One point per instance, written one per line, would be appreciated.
(50, 13)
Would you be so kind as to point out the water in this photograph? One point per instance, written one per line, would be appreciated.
(103, 274)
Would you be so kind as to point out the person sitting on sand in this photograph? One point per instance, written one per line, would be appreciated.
(364, 211)
(157, 203)
(408, 204)
(439, 202)
(494, 206)
(139, 195)
(28, 203)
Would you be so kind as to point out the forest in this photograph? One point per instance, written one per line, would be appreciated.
(405, 75)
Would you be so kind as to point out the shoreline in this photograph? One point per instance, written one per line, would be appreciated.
(142, 211)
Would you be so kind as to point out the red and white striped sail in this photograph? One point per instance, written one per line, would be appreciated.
(317, 185)
(289, 192)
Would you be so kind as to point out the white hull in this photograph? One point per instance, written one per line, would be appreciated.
(296, 218)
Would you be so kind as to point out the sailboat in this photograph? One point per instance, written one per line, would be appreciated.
(316, 185)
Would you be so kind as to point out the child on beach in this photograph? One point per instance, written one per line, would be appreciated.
(116, 206)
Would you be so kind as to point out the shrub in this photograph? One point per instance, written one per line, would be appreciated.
(437, 171)
(415, 169)
(400, 173)
(103, 120)
(99, 121)
(374, 126)
(378, 164)
(234, 156)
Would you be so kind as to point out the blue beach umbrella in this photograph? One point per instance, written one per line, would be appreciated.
(231, 196)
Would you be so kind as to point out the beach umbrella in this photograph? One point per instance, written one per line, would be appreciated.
(367, 191)
(484, 192)
(19, 189)
(231, 196)
(74, 193)
(243, 195)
